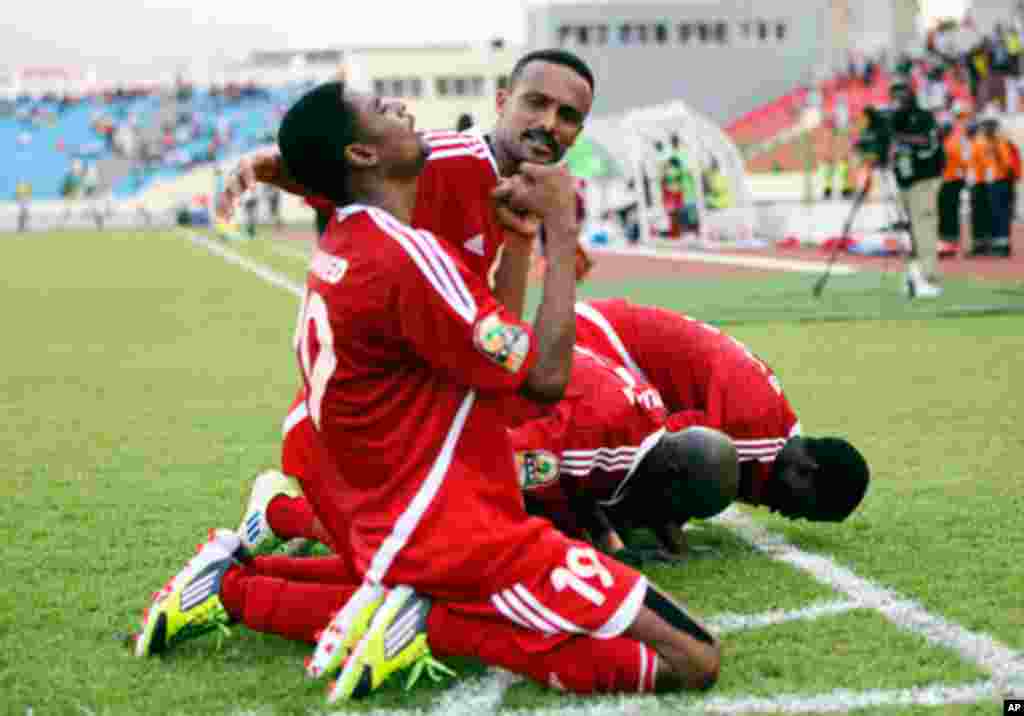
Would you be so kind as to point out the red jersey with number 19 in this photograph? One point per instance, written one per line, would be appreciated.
(406, 357)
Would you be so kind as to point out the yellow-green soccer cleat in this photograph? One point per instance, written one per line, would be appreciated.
(345, 630)
(396, 639)
(189, 605)
(257, 537)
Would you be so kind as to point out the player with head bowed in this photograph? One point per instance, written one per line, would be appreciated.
(606, 444)
(409, 362)
(708, 378)
(540, 115)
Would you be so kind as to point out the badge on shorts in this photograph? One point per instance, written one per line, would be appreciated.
(536, 468)
(507, 344)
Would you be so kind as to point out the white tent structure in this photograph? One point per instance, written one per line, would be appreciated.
(630, 140)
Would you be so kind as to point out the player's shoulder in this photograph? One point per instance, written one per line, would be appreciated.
(384, 238)
(461, 150)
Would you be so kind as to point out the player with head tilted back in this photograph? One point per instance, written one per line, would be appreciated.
(540, 115)
(708, 378)
(409, 362)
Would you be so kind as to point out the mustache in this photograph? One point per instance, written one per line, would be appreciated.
(542, 135)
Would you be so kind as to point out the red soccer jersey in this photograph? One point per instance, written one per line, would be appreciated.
(706, 377)
(453, 202)
(406, 357)
(453, 198)
(593, 441)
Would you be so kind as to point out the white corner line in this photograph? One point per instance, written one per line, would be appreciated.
(726, 623)
(838, 701)
(288, 252)
(1004, 664)
(267, 274)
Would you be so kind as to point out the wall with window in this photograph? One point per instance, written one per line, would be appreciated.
(724, 58)
(437, 83)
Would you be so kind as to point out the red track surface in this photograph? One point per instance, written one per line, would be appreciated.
(618, 267)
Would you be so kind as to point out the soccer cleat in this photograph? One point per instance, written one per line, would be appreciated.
(255, 531)
(189, 605)
(345, 630)
(396, 639)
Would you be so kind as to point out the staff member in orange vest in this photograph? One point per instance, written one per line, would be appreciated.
(1009, 157)
(954, 179)
(991, 164)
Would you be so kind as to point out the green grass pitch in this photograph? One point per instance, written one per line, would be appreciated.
(144, 382)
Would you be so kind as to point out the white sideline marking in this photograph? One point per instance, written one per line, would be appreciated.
(287, 252)
(838, 701)
(763, 262)
(484, 696)
(1005, 664)
(726, 623)
(267, 274)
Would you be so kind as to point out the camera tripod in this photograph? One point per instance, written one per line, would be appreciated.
(899, 215)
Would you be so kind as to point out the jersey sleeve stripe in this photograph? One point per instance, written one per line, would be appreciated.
(453, 152)
(420, 503)
(449, 264)
(457, 140)
(437, 256)
(591, 314)
(645, 447)
(296, 416)
(424, 256)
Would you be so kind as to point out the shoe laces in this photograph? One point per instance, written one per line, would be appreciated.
(435, 670)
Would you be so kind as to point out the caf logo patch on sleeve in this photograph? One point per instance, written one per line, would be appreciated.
(507, 344)
(536, 468)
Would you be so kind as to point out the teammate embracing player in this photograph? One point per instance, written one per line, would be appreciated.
(540, 116)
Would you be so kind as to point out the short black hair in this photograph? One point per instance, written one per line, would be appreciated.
(687, 474)
(841, 480)
(313, 136)
(555, 56)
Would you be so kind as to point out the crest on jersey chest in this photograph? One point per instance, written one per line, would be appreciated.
(536, 468)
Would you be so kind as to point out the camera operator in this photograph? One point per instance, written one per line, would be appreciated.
(917, 161)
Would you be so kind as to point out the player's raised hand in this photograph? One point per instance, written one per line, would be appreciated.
(545, 190)
(245, 176)
(517, 224)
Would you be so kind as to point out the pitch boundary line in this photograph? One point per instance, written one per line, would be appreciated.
(758, 262)
(1004, 664)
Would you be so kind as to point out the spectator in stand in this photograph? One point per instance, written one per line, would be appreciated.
(464, 123)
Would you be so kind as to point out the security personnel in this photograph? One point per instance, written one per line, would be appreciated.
(981, 208)
(994, 166)
(954, 180)
(917, 160)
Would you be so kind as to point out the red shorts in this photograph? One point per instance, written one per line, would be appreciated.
(518, 569)
(297, 440)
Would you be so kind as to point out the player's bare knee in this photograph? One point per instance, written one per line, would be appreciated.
(698, 670)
